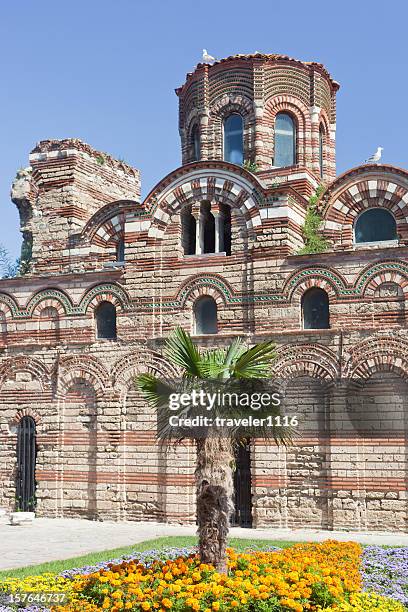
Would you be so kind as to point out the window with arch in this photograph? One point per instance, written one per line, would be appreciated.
(120, 250)
(195, 142)
(105, 316)
(214, 229)
(285, 140)
(321, 149)
(234, 139)
(315, 309)
(375, 225)
(205, 316)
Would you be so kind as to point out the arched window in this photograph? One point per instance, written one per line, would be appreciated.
(205, 316)
(234, 140)
(285, 140)
(321, 149)
(315, 309)
(105, 315)
(195, 141)
(375, 225)
(120, 250)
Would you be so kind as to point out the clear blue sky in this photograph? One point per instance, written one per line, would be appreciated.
(105, 71)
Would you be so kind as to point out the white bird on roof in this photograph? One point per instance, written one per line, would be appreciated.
(207, 58)
(375, 158)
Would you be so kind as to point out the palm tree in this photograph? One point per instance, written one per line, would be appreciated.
(215, 450)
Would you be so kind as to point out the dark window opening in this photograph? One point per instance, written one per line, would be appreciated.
(188, 231)
(26, 461)
(208, 228)
(195, 138)
(285, 140)
(234, 139)
(315, 309)
(120, 250)
(321, 149)
(106, 321)
(375, 225)
(205, 315)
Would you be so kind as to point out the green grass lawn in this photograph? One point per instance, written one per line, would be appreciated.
(106, 555)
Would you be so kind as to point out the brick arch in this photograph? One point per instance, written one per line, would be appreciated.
(38, 370)
(357, 191)
(82, 367)
(107, 221)
(325, 278)
(217, 185)
(377, 354)
(53, 297)
(232, 103)
(47, 303)
(106, 292)
(301, 115)
(8, 305)
(139, 361)
(26, 411)
(378, 274)
(206, 284)
(312, 283)
(306, 360)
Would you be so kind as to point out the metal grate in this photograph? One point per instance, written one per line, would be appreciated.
(242, 486)
(26, 458)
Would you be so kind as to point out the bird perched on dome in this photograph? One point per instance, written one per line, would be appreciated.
(207, 58)
(376, 157)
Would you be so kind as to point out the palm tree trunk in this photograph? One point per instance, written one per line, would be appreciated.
(214, 498)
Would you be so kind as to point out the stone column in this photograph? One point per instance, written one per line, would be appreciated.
(219, 227)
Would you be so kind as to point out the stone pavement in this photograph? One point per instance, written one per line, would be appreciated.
(53, 539)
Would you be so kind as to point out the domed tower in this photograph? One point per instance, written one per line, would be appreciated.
(270, 110)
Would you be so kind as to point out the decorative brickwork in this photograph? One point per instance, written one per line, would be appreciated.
(97, 452)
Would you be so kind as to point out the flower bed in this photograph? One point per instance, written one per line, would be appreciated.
(302, 578)
(385, 571)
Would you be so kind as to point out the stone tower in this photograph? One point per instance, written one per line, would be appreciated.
(279, 99)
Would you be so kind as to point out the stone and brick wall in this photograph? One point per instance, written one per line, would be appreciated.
(97, 452)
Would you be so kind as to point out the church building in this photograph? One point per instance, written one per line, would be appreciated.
(216, 247)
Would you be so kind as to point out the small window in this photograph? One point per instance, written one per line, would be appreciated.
(120, 250)
(205, 316)
(375, 225)
(315, 309)
(321, 150)
(285, 140)
(233, 140)
(195, 139)
(105, 321)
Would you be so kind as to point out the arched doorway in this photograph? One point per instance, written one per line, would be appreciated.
(26, 460)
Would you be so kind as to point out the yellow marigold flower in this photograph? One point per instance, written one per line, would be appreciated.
(166, 603)
(215, 605)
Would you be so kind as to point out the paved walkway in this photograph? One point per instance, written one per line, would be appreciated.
(54, 539)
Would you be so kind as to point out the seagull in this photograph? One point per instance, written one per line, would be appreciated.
(374, 159)
(208, 59)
